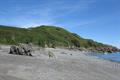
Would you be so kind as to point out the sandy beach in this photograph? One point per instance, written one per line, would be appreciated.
(65, 65)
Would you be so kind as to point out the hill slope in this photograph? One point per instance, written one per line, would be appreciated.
(50, 36)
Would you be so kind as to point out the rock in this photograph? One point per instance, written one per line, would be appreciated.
(13, 50)
(21, 49)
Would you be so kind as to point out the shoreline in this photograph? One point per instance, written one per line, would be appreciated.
(98, 55)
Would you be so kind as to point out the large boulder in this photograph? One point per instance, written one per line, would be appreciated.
(21, 49)
(13, 50)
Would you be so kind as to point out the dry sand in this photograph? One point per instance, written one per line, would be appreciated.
(66, 65)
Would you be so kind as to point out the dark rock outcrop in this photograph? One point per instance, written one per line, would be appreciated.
(21, 49)
(106, 50)
(100, 50)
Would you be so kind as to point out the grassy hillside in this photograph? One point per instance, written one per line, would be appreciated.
(50, 36)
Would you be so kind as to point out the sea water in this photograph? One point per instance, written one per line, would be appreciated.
(107, 56)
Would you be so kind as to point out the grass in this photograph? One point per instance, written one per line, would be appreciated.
(50, 36)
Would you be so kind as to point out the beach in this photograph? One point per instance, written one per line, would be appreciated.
(64, 65)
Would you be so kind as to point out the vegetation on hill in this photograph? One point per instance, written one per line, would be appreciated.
(50, 36)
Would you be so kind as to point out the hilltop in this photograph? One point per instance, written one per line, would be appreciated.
(49, 36)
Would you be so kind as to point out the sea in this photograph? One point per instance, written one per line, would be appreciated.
(115, 57)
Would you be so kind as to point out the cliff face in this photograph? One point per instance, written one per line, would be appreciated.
(50, 36)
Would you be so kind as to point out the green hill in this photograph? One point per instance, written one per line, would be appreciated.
(50, 36)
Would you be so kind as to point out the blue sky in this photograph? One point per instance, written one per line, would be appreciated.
(94, 19)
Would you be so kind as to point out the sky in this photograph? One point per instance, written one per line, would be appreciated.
(92, 19)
